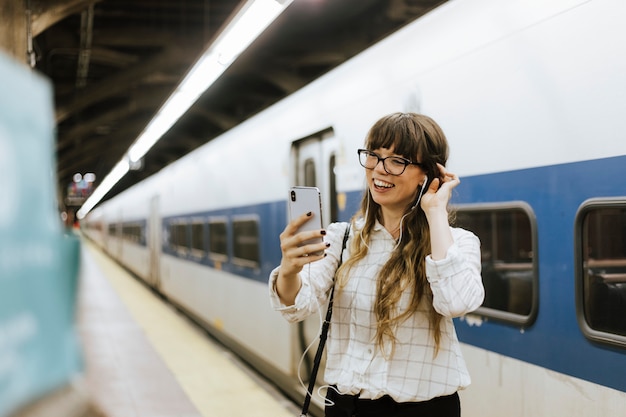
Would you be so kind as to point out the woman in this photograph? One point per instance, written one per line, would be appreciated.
(392, 347)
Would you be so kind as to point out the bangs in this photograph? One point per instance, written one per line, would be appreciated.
(400, 134)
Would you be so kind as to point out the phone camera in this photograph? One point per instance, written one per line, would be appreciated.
(293, 195)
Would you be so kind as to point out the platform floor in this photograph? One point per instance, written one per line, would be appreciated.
(145, 359)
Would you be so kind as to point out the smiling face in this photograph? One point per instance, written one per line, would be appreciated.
(414, 137)
(393, 192)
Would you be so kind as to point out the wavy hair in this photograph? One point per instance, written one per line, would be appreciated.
(418, 138)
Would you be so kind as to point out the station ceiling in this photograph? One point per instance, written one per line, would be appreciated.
(113, 63)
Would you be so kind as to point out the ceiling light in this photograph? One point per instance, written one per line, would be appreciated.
(251, 20)
(111, 179)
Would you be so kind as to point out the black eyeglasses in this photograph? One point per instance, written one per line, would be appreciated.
(393, 165)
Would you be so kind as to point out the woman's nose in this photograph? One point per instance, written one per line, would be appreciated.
(380, 166)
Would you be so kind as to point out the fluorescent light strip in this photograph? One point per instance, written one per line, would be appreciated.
(250, 22)
(108, 182)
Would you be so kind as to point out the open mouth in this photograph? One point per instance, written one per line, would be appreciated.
(382, 185)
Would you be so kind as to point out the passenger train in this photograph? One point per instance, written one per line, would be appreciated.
(532, 97)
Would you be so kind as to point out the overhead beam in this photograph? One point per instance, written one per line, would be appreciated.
(87, 128)
(13, 30)
(121, 82)
(46, 13)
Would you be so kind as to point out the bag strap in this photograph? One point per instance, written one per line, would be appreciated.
(323, 334)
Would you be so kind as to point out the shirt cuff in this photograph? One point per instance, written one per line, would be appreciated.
(275, 302)
(443, 267)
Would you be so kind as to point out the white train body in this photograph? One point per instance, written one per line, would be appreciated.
(531, 95)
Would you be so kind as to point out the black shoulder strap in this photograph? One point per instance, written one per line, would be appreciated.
(324, 333)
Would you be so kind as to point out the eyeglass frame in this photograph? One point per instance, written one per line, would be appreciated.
(406, 162)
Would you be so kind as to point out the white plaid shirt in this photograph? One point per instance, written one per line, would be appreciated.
(354, 363)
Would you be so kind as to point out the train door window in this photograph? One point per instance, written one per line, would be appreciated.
(600, 239)
(218, 240)
(334, 204)
(310, 178)
(246, 249)
(198, 239)
(509, 263)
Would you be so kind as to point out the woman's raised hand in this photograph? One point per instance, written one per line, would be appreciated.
(438, 195)
(295, 253)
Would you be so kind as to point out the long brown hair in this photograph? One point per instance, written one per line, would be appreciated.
(418, 138)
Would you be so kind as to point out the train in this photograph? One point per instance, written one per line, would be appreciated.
(532, 98)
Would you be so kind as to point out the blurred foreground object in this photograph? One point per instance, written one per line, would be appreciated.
(40, 359)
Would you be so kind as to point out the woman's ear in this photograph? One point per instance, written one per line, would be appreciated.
(423, 184)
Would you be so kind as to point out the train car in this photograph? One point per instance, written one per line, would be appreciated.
(531, 96)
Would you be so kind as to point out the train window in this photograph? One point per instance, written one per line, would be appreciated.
(112, 229)
(178, 237)
(218, 240)
(198, 238)
(95, 226)
(508, 237)
(600, 253)
(132, 232)
(171, 238)
(246, 242)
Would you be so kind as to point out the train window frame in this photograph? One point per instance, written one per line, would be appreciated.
(506, 316)
(587, 207)
(238, 260)
(213, 255)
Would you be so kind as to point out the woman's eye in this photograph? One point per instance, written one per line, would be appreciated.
(397, 161)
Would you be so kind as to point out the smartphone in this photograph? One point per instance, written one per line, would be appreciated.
(302, 200)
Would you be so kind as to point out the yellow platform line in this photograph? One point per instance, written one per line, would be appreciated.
(213, 383)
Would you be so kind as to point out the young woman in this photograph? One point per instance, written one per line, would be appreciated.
(392, 349)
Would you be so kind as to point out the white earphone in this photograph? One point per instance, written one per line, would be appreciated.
(419, 197)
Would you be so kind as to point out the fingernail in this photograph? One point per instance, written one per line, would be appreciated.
(328, 244)
(309, 213)
(323, 232)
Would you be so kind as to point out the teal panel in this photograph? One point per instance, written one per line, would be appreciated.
(39, 349)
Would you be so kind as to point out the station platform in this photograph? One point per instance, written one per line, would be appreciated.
(145, 359)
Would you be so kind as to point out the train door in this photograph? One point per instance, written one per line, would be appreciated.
(154, 243)
(314, 161)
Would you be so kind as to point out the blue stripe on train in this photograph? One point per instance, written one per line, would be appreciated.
(554, 341)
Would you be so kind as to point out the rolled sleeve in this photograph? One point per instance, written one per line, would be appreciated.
(301, 307)
(316, 278)
(274, 298)
(455, 281)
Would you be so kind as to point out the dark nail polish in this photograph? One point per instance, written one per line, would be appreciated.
(309, 213)
(323, 232)
(328, 244)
